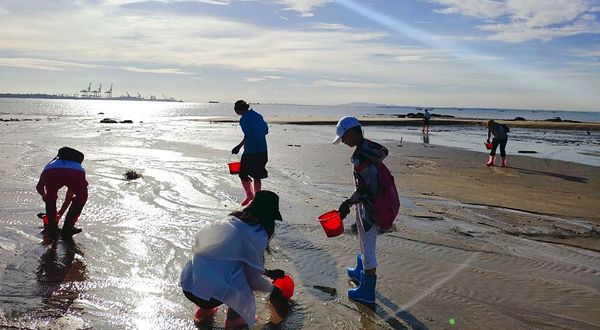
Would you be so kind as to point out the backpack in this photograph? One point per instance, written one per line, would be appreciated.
(506, 128)
(66, 153)
(386, 202)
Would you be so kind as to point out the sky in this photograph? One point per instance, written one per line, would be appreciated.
(525, 54)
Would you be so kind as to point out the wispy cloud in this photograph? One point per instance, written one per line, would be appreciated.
(517, 21)
(348, 84)
(158, 71)
(304, 7)
(51, 65)
(262, 78)
(42, 64)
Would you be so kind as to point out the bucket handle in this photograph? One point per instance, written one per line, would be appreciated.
(331, 217)
(229, 160)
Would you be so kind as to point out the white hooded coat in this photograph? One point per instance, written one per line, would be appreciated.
(227, 265)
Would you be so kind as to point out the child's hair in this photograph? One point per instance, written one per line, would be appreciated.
(241, 105)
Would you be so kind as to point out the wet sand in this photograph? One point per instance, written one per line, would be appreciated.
(381, 121)
(490, 248)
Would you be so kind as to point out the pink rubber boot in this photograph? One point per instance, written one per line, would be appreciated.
(503, 163)
(249, 194)
(491, 161)
(257, 185)
(202, 314)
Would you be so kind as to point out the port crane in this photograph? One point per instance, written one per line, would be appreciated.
(97, 91)
(109, 92)
(86, 91)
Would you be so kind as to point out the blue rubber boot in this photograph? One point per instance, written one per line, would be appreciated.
(354, 273)
(365, 293)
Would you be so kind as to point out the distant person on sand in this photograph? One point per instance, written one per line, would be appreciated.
(254, 158)
(227, 265)
(349, 131)
(64, 170)
(500, 133)
(426, 117)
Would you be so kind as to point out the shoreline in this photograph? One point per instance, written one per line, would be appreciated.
(376, 121)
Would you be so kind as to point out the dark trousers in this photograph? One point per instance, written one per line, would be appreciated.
(502, 144)
(206, 304)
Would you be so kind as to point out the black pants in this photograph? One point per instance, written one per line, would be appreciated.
(206, 304)
(502, 144)
(253, 165)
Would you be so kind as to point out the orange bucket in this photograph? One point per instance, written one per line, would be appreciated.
(234, 167)
(332, 223)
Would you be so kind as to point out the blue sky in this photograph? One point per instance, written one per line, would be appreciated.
(465, 53)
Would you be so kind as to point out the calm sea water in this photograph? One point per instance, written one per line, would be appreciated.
(165, 109)
(574, 146)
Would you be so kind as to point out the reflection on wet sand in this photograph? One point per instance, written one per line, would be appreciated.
(42, 284)
(59, 275)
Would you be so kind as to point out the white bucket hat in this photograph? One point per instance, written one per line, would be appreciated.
(343, 125)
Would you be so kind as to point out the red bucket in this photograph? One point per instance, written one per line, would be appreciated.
(234, 167)
(488, 146)
(286, 284)
(46, 222)
(332, 223)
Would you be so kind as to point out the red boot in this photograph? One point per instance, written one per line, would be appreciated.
(202, 314)
(503, 163)
(491, 161)
(249, 193)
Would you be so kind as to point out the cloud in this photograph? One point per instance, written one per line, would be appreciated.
(42, 64)
(348, 84)
(304, 7)
(158, 71)
(517, 21)
(51, 65)
(257, 79)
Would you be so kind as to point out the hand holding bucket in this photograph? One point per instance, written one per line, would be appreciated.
(488, 146)
(332, 223)
(234, 167)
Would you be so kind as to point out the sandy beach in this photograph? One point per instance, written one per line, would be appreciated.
(473, 247)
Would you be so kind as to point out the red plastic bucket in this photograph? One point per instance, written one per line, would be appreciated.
(286, 284)
(46, 222)
(488, 146)
(332, 223)
(234, 167)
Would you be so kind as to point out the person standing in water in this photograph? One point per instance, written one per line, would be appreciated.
(366, 154)
(254, 158)
(64, 170)
(426, 117)
(500, 133)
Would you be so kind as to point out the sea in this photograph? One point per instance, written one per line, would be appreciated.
(569, 145)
